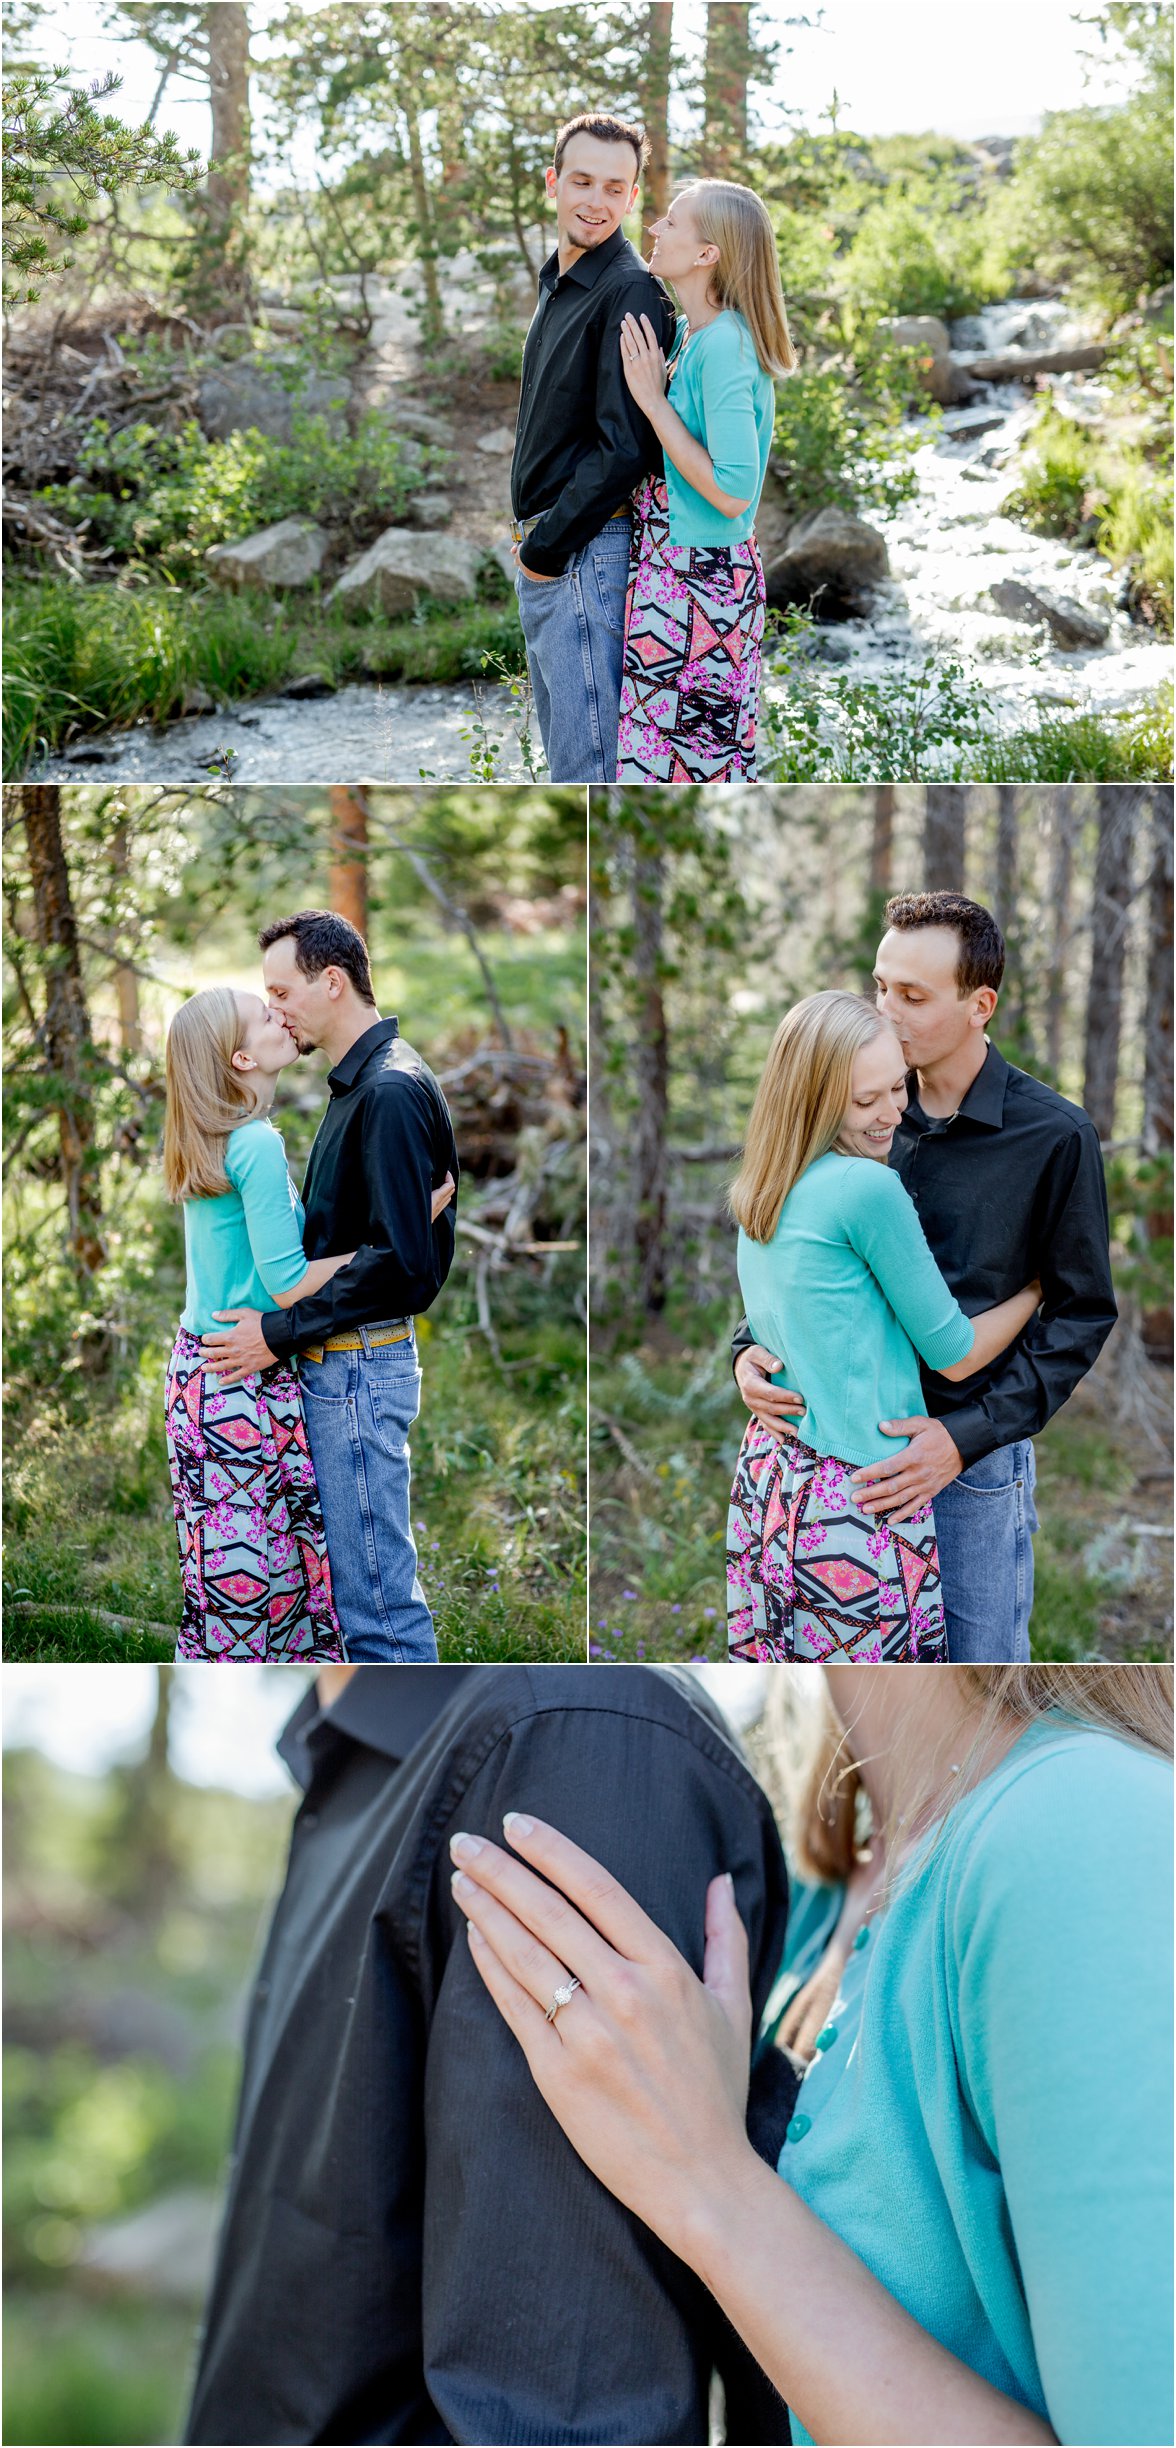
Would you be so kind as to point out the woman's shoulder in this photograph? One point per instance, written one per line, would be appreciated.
(253, 1147)
(857, 1185)
(726, 335)
(1068, 1800)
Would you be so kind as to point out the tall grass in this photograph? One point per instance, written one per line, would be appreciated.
(82, 658)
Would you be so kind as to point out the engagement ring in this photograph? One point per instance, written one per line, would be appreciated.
(562, 1997)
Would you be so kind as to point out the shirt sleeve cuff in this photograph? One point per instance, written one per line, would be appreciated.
(951, 1343)
(277, 1326)
(546, 560)
(972, 1433)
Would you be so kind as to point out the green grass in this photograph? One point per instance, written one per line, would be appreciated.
(99, 2372)
(497, 1497)
(84, 658)
(932, 723)
(1099, 487)
(658, 1536)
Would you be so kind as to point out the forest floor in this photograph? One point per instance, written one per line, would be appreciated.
(666, 1428)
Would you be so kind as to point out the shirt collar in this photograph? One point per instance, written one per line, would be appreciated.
(346, 1073)
(385, 1708)
(588, 267)
(984, 1100)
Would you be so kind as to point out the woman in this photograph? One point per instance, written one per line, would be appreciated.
(972, 2238)
(694, 619)
(838, 1280)
(253, 1556)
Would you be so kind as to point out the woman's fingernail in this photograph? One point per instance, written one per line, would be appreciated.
(463, 1847)
(728, 1881)
(461, 1885)
(473, 1933)
(516, 1825)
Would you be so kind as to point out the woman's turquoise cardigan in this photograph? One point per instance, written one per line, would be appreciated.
(988, 2121)
(725, 399)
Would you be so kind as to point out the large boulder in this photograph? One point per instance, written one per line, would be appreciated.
(431, 508)
(930, 340)
(235, 398)
(831, 560)
(401, 568)
(1069, 623)
(289, 554)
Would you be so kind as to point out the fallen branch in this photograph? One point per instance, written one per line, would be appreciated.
(635, 1460)
(116, 1623)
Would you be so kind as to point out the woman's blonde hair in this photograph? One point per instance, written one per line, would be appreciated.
(206, 1098)
(827, 1804)
(800, 1102)
(747, 274)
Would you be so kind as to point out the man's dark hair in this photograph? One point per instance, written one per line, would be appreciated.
(323, 941)
(608, 130)
(982, 946)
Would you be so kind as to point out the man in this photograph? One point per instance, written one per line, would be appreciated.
(411, 2250)
(582, 447)
(1008, 1180)
(384, 1145)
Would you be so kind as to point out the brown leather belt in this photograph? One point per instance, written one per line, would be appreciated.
(520, 528)
(373, 1340)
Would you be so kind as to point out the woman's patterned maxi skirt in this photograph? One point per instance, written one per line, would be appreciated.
(694, 624)
(809, 1576)
(253, 1552)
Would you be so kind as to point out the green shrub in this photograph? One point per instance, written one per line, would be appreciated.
(163, 499)
(839, 432)
(1089, 204)
(1097, 488)
(920, 250)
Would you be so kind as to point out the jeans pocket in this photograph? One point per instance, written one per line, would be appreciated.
(322, 1387)
(610, 573)
(395, 1399)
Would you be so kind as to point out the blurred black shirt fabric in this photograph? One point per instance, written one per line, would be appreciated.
(411, 2250)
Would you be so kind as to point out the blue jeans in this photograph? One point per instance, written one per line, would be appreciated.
(359, 1409)
(984, 1522)
(574, 628)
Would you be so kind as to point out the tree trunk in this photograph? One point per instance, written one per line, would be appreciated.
(432, 315)
(882, 840)
(126, 984)
(141, 1843)
(1004, 889)
(652, 1078)
(1061, 883)
(945, 809)
(67, 1021)
(728, 65)
(1118, 818)
(1157, 1324)
(348, 853)
(655, 109)
(228, 174)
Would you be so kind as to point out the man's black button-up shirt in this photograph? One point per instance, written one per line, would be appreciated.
(411, 2249)
(384, 1144)
(582, 445)
(1010, 1187)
